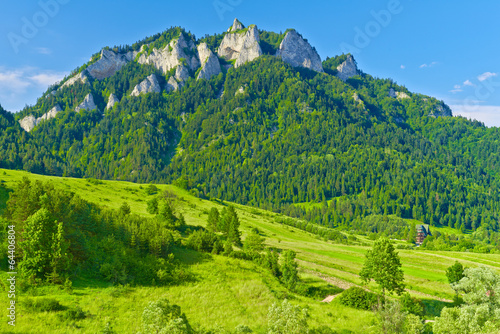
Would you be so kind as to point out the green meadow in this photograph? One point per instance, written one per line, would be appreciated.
(225, 292)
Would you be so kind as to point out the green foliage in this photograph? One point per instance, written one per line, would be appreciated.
(63, 233)
(254, 243)
(413, 325)
(203, 241)
(391, 319)
(285, 318)
(330, 64)
(213, 220)
(481, 293)
(455, 273)
(161, 317)
(383, 265)
(43, 305)
(358, 298)
(73, 313)
(153, 206)
(290, 275)
(412, 305)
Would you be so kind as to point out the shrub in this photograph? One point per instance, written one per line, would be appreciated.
(43, 305)
(358, 298)
(73, 313)
(317, 292)
(412, 305)
(202, 241)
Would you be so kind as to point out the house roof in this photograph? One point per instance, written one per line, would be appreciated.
(425, 227)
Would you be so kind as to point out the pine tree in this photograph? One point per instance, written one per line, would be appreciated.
(213, 220)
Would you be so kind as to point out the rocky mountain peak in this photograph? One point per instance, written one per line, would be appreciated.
(297, 52)
(347, 69)
(173, 55)
(109, 64)
(210, 64)
(237, 25)
(242, 46)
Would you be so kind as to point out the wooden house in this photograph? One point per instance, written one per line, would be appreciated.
(422, 232)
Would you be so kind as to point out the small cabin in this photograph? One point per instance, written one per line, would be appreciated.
(422, 232)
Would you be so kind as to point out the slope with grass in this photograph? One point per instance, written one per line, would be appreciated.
(226, 291)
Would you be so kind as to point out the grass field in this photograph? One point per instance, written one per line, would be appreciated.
(229, 292)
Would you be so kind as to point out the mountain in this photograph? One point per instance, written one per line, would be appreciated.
(256, 117)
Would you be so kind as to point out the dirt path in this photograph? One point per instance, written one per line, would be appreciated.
(343, 284)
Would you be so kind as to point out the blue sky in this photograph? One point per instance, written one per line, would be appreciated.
(445, 49)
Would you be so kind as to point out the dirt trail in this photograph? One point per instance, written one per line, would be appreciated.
(343, 284)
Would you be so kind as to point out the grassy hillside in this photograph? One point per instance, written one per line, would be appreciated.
(226, 291)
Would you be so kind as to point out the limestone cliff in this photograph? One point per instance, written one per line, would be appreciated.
(148, 85)
(242, 46)
(109, 64)
(87, 104)
(237, 25)
(173, 55)
(28, 123)
(347, 69)
(295, 51)
(111, 101)
(210, 64)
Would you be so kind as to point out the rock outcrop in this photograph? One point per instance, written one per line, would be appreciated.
(210, 64)
(111, 101)
(242, 45)
(173, 55)
(441, 110)
(149, 85)
(28, 123)
(87, 104)
(172, 85)
(392, 93)
(402, 95)
(80, 77)
(237, 25)
(181, 73)
(109, 64)
(295, 51)
(347, 69)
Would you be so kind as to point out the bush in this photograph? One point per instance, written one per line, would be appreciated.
(73, 313)
(317, 292)
(203, 241)
(43, 305)
(412, 305)
(358, 298)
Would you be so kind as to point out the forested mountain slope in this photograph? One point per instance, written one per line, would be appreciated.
(250, 116)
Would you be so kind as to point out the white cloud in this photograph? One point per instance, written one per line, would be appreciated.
(43, 51)
(429, 65)
(21, 86)
(403, 67)
(46, 79)
(489, 115)
(468, 83)
(486, 76)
